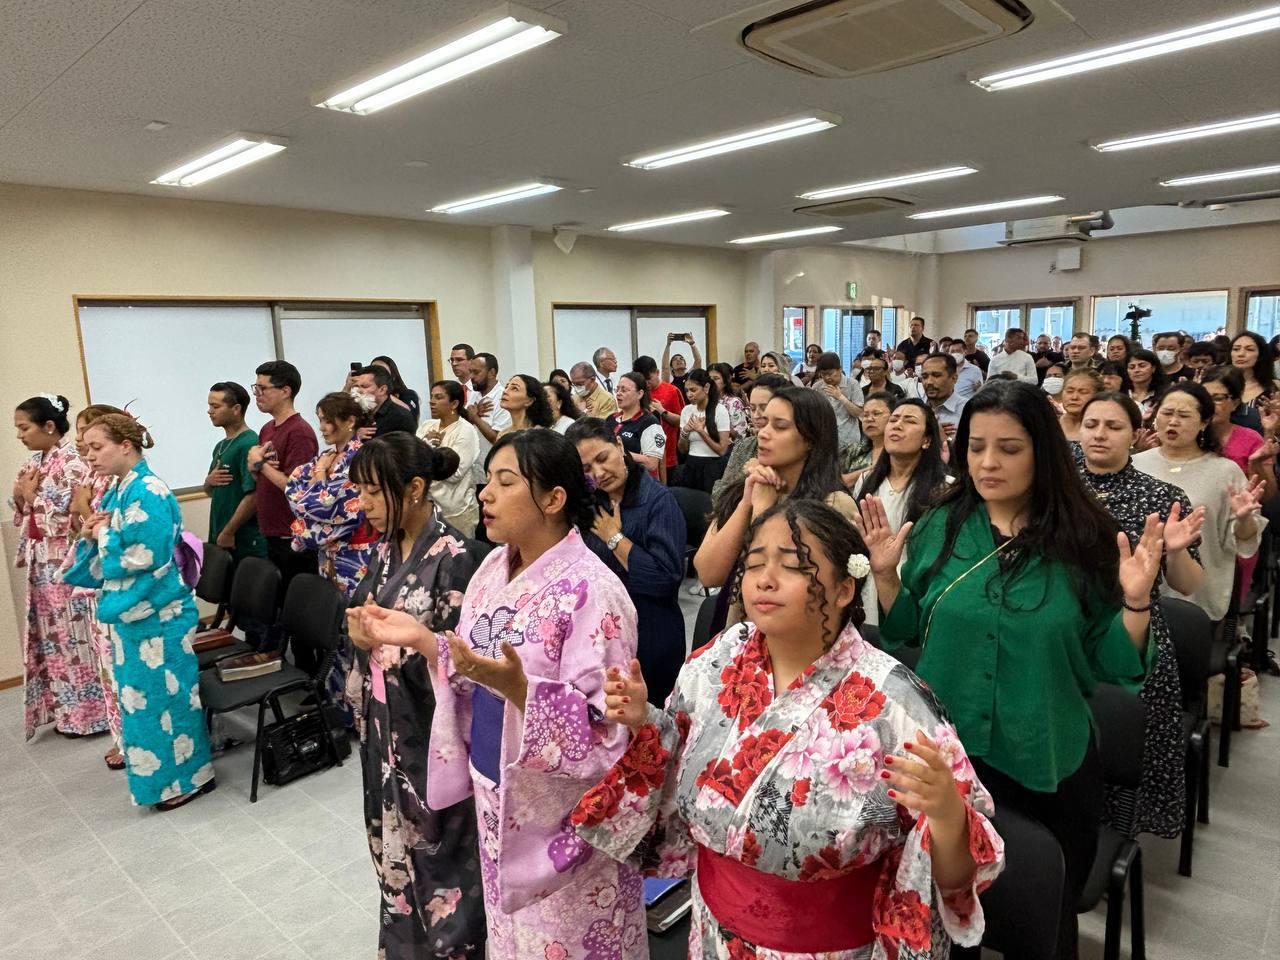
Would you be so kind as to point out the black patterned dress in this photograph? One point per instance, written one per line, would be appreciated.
(1130, 495)
(427, 861)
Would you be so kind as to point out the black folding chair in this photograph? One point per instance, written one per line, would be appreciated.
(1120, 719)
(703, 625)
(215, 580)
(312, 617)
(695, 505)
(255, 591)
(1192, 633)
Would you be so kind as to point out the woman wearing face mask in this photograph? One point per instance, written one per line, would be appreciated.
(1252, 357)
(855, 460)
(521, 720)
(1119, 349)
(427, 861)
(731, 400)
(907, 476)
(450, 429)
(126, 552)
(639, 431)
(797, 768)
(1018, 547)
(60, 667)
(902, 373)
(1111, 422)
(1078, 387)
(704, 432)
(759, 394)
(524, 400)
(1188, 458)
(804, 371)
(1146, 381)
(641, 538)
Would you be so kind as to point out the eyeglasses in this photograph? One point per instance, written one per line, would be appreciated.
(1220, 397)
(258, 389)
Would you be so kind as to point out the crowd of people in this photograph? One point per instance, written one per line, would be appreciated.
(514, 663)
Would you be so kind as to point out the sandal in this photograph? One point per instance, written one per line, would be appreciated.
(114, 760)
(174, 803)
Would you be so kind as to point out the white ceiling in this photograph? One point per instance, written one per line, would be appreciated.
(80, 78)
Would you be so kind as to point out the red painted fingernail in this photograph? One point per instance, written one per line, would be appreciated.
(906, 746)
(888, 760)
(891, 794)
(884, 774)
(626, 699)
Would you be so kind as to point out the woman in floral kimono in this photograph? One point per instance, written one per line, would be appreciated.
(428, 861)
(126, 551)
(810, 781)
(521, 720)
(62, 685)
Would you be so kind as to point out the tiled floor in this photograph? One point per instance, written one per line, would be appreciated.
(85, 874)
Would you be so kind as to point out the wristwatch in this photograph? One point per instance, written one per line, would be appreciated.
(612, 542)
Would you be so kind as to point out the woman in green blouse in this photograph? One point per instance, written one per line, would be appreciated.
(1023, 595)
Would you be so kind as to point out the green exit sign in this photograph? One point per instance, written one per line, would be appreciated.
(851, 290)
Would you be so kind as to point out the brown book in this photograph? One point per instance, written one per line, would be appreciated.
(212, 640)
(248, 665)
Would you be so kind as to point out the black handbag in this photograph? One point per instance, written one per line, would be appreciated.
(302, 744)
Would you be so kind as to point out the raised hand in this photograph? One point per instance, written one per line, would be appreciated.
(921, 781)
(626, 698)
(1140, 564)
(394, 627)
(763, 486)
(1181, 532)
(884, 547)
(1146, 439)
(1267, 451)
(1269, 414)
(504, 676)
(1245, 498)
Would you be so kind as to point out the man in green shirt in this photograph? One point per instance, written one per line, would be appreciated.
(233, 519)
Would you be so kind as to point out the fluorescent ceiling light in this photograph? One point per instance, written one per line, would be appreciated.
(786, 235)
(1134, 50)
(495, 41)
(925, 176)
(244, 149)
(522, 192)
(1241, 174)
(667, 221)
(1190, 133)
(779, 130)
(984, 207)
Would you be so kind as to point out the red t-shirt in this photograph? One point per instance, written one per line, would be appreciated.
(673, 400)
(295, 444)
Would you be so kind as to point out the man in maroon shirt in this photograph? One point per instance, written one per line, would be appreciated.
(284, 443)
(667, 403)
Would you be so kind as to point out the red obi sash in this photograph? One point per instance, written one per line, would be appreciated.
(796, 916)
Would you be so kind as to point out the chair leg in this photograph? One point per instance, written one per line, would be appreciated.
(1202, 800)
(276, 711)
(1192, 769)
(1137, 911)
(1230, 709)
(1115, 919)
(257, 751)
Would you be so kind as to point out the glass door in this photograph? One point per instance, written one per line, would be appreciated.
(844, 331)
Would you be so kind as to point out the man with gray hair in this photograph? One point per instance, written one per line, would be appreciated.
(606, 364)
(592, 398)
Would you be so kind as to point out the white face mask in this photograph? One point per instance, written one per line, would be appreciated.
(1166, 357)
(581, 391)
(898, 365)
(959, 357)
(1052, 385)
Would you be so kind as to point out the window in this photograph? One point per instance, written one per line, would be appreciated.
(629, 332)
(1262, 313)
(1203, 314)
(794, 323)
(1052, 318)
(844, 331)
(889, 325)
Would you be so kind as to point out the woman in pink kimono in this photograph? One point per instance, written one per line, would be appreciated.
(62, 685)
(808, 780)
(520, 718)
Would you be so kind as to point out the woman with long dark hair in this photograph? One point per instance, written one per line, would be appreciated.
(639, 532)
(731, 398)
(638, 429)
(908, 475)
(1147, 380)
(427, 860)
(704, 432)
(450, 427)
(564, 411)
(1254, 359)
(1119, 349)
(399, 389)
(1110, 424)
(1018, 548)
(524, 400)
(521, 689)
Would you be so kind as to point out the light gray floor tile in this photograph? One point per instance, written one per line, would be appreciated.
(154, 941)
(115, 917)
(341, 938)
(247, 939)
(273, 881)
(311, 905)
(218, 904)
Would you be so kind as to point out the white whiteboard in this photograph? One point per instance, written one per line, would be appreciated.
(651, 337)
(323, 350)
(164, 359)
(581, 331)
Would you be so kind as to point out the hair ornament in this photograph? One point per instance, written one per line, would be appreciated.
(858, 566)
(365, 401)
(55, 401)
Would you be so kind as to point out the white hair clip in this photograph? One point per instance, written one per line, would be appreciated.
(367, 402)
(858, 566)
(56, 401)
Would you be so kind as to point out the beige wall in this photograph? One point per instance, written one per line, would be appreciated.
(631, 273)
(1212, 259)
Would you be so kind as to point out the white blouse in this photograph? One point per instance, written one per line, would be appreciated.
(457, 494)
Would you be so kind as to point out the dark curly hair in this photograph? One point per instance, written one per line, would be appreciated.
(839, 541)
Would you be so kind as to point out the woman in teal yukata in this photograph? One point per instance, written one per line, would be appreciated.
(126, 553)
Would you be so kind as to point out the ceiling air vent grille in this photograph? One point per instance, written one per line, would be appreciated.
(854, 207)
(846, 38)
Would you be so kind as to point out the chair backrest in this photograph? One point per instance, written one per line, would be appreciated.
(702, 626)
(696, 506)
(255, 591)
(1191, 631)
(1120, 720)
(214, 585)
(870, 633)
(1023, 907)
(313, 613)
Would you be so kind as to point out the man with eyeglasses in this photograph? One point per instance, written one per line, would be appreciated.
(460, 357)
(285, 442)
(875, 377)
(591, 397)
